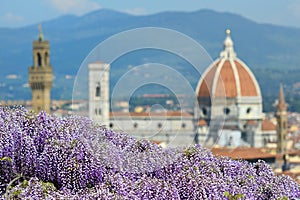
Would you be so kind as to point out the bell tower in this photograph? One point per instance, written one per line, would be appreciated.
(281, 116)
(41, 74)
(99, 92)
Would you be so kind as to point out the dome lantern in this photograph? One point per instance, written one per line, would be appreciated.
(228, 51)
(228, 76)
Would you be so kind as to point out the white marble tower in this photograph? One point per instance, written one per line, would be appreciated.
(99, 92)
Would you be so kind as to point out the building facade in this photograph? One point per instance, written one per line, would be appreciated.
(41, 74)
(228, 111)
(171, 127)
(229, 100)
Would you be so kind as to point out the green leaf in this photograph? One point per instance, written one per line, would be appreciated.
(6, 159)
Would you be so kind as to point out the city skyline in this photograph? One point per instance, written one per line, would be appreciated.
(22, 13)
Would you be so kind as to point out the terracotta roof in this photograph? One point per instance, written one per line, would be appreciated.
(268, 125)
(246, 82)
(246, 153)
(227, 82)
(207, 82)
(226, 78)
(294, 152)
(252, 122)
(202, 122)
(156, 141)
(230, 127)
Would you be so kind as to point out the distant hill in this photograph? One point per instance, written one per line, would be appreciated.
(272, 52)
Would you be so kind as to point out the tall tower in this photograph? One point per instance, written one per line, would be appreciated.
(281, 116)
(99, 92)
(40, 74)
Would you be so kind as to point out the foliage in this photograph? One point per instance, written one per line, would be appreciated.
(47, 157)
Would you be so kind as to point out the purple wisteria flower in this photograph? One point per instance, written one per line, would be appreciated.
(48, 157)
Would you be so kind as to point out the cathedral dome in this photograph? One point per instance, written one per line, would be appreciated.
(228, 76)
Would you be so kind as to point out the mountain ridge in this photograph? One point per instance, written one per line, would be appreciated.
(262, 46)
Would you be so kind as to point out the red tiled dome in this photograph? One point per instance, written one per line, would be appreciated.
(228, 77)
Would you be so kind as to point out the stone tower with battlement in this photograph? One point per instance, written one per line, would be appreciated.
(41, 74)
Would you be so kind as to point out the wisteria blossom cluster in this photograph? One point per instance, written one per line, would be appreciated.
(48, 157)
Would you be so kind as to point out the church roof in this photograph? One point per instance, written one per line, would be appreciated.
(247, 153)
(251, 122)
(268, 125)
(281, 100)
(228, 76)
(202, 122)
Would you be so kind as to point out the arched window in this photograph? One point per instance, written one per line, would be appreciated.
(97, 111)
(204, 111)
(248, 110)
(98, 90)
(226, 111)
(284, 124)
(111, 125)
(159, 125)
(39, 60)
(46, 60)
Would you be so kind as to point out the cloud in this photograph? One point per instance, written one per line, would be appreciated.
(12, 18)
(77, 7)
(136, 11)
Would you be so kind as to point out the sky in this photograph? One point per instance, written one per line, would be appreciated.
(18, 13)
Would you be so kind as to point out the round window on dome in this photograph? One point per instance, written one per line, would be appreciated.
(159, 125)
(248, 111)
(226, 111)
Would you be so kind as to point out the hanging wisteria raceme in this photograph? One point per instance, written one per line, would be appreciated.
(48, 157)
